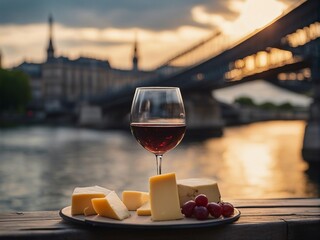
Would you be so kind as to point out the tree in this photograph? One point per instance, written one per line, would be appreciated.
(245, 101)
(15, 92)
(268, 106)
(286, 106)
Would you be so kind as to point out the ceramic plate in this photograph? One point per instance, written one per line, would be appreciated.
(135, 221)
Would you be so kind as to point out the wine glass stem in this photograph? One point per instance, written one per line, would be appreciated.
(158, 161)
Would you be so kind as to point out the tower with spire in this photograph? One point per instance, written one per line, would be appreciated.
(135, 58)
(50, 49)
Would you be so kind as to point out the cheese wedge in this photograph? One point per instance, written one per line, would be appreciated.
(189, 188)
(81, 199)
(164, 198)
(111, 207)
(134, 199)
(144, 210)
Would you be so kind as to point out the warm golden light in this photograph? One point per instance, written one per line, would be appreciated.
(28, 42)
(253, 14)
(303, 36)
(262, 59)
(282, 76)
(259, 62)
(253, 157)
(300, 75)
(249, 63)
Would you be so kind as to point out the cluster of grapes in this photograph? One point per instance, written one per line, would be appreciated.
(200, 208)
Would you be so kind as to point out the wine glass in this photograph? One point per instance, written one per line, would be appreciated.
(157, 119)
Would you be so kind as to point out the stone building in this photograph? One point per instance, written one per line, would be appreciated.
(60, 82)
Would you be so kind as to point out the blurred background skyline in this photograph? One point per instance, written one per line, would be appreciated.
(107, 29)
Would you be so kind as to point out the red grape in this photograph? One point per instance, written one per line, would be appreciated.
(201, 200)
(214, 209)
(200, 212)
(187, 208)
(227, 209)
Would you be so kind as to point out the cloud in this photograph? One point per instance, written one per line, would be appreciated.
(156, 15)
(106, 28)
(252, 15)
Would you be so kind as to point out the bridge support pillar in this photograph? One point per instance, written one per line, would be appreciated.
(90, 116)
(203, 116)
(311, 142)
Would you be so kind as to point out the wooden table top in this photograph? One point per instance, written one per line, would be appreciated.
(260, 219)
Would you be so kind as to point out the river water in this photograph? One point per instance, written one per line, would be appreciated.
(41, 165)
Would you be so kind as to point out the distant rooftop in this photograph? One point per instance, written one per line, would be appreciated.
(83, 61)
(32, 69)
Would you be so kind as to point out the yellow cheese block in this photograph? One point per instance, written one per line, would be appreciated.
(164, 198)
(110, 206)
(144, 210)
(81, 199)
(189, 188)
(134, 199)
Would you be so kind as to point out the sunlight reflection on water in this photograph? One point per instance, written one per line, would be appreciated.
(40, 166)
(266, 159)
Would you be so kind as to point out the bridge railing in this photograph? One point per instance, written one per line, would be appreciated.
(201, 51)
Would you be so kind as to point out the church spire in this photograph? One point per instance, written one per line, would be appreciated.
(135, 58)
(50, 49)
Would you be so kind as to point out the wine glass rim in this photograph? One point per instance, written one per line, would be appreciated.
(157, 87)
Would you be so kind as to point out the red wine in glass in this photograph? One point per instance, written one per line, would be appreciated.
(158, 138)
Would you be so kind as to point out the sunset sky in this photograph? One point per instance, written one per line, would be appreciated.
(106, 29)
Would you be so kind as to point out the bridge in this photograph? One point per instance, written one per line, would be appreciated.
(288, 46)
